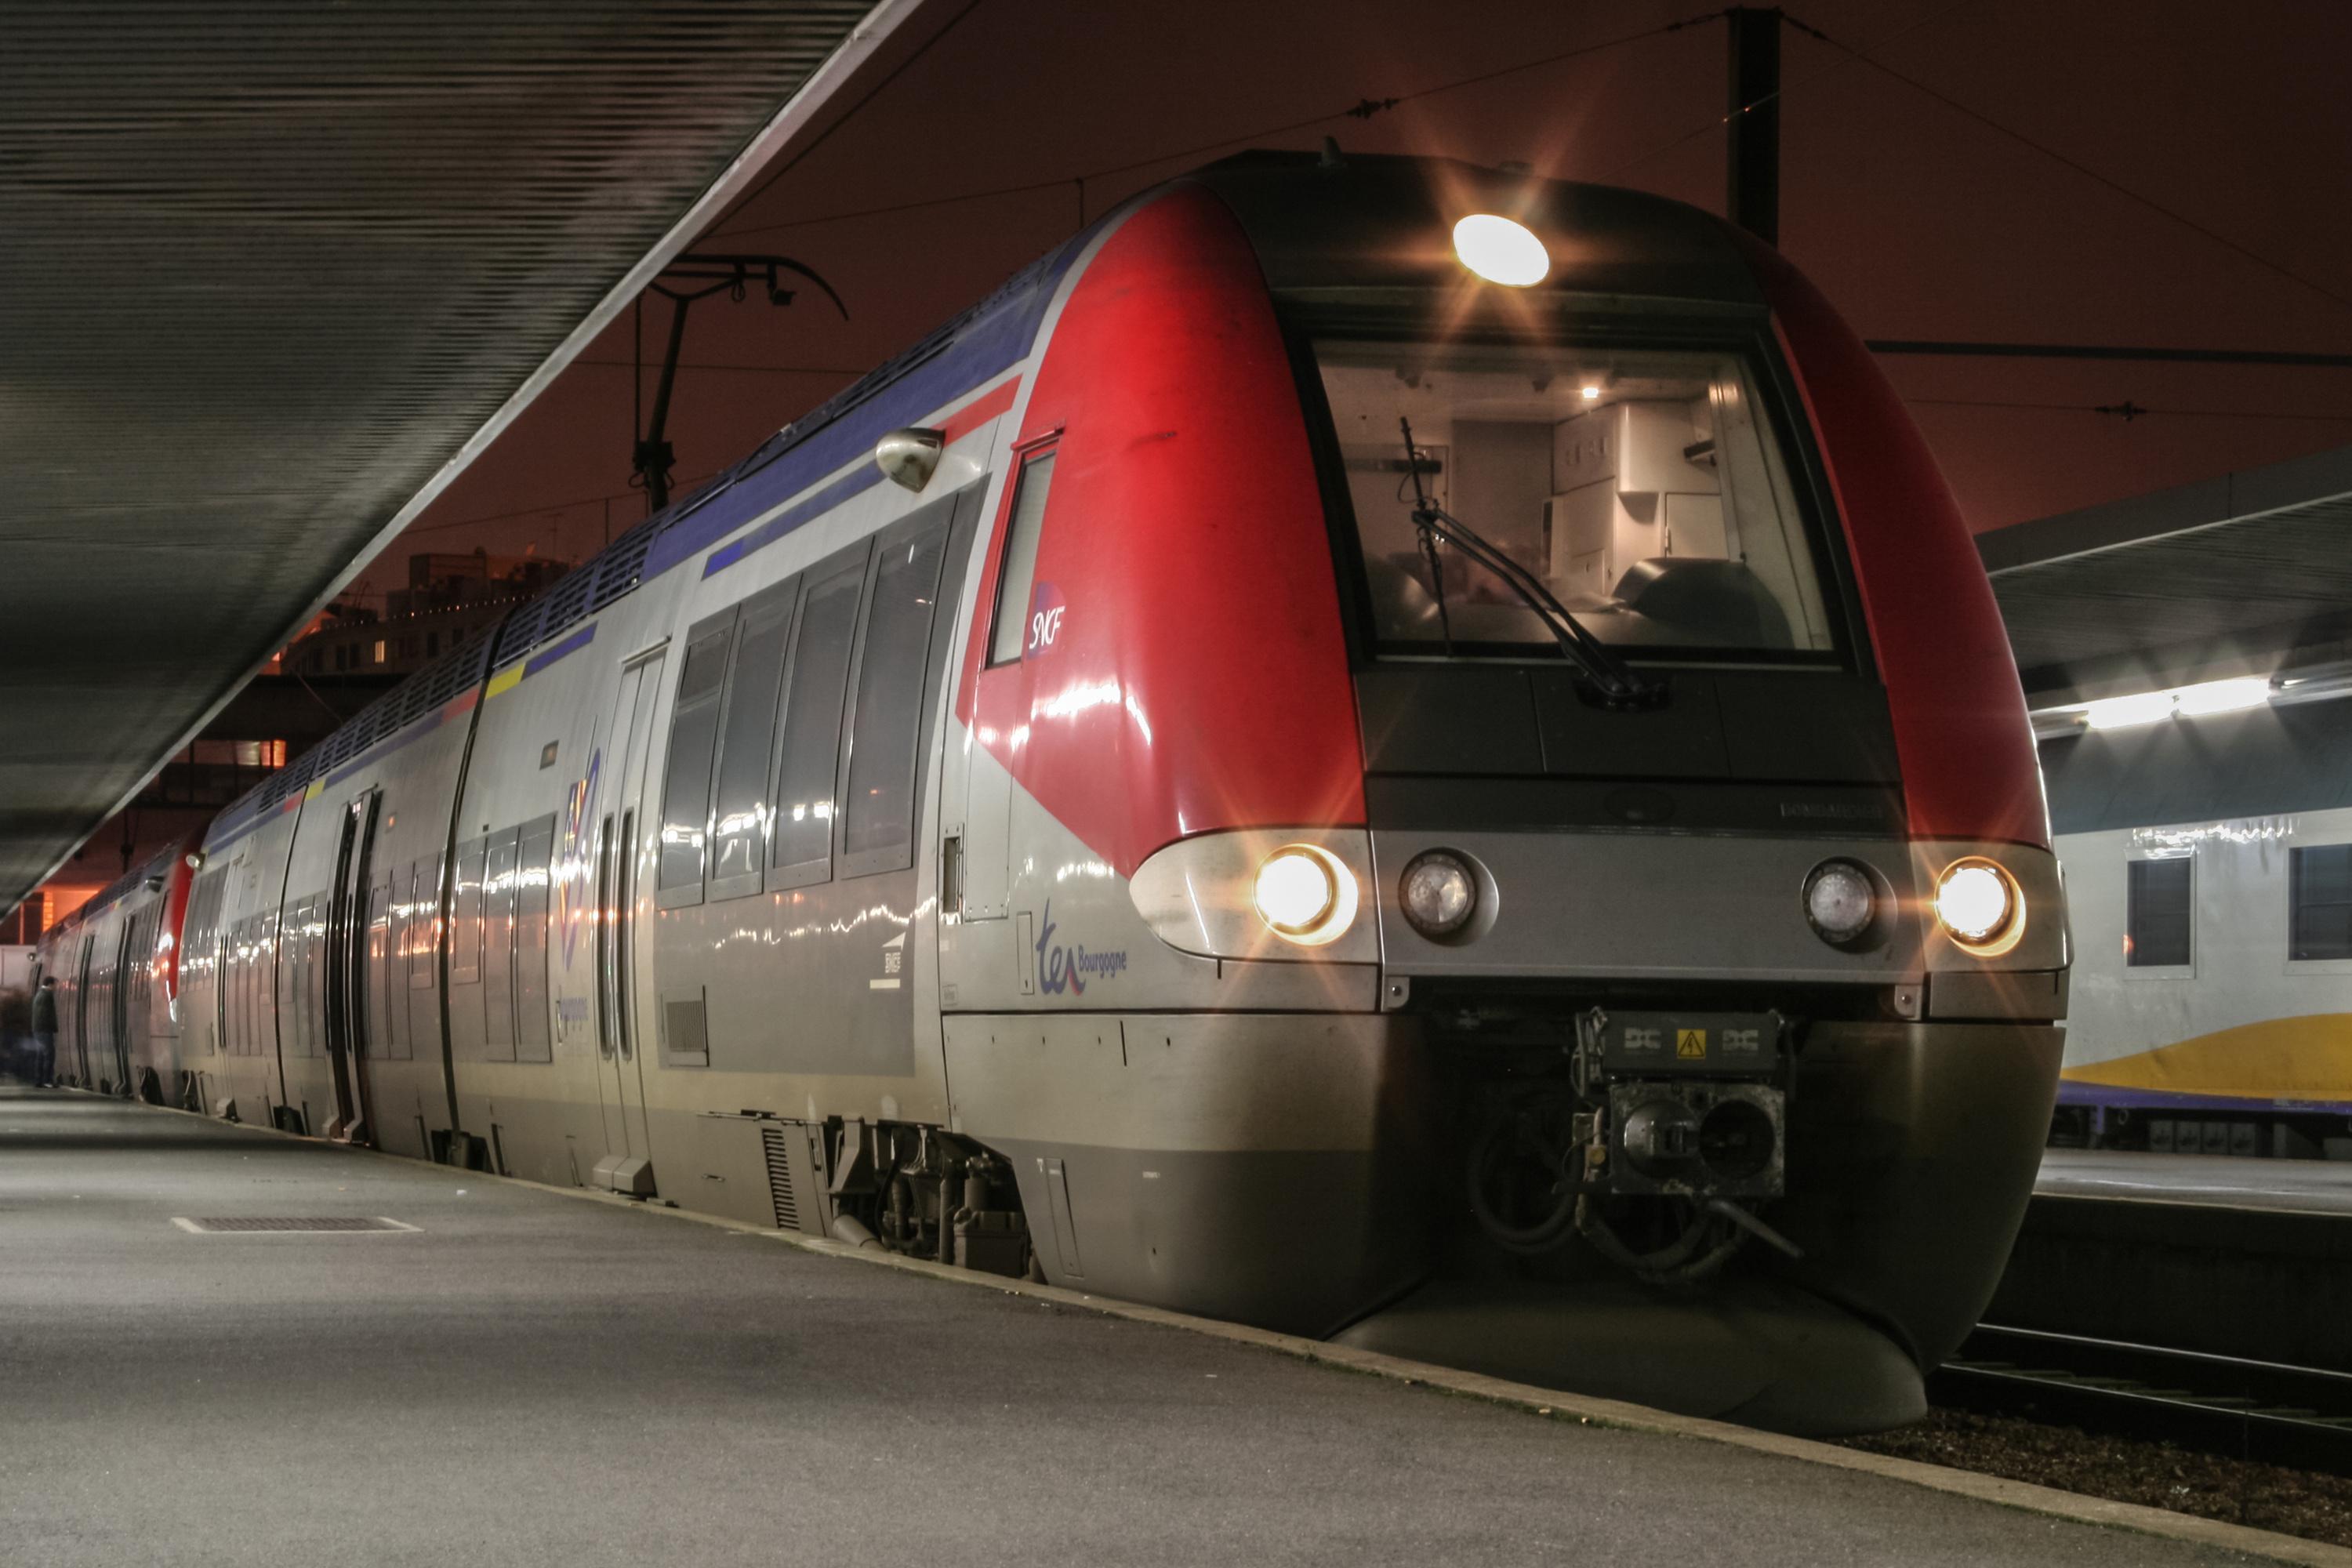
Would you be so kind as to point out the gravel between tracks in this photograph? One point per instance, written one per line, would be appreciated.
(2128, 1469)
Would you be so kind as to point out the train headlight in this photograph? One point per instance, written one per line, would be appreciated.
(1841, 900)
(1979, 907)
(1501, 251)
(1438, 893)
(1305, 894)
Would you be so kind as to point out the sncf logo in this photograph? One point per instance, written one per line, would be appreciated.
(1046, 612)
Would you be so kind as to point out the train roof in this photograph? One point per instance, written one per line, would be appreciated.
(952, 359)
(156, 864)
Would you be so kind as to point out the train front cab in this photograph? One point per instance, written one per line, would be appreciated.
(1671, 1084)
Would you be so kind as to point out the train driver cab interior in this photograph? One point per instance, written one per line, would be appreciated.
(1647, 489)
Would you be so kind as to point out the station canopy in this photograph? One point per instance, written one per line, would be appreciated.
(2243, 574)
(273, 274)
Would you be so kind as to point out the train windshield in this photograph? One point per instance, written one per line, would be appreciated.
(1648, 490)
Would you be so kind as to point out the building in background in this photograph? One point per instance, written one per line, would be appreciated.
(449, 596)
(350, 654)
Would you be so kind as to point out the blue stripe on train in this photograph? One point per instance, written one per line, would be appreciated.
(2070, 1092)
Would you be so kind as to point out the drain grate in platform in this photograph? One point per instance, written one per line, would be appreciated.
(249, 1224)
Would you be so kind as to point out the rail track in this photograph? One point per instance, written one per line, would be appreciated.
(2295, 1416)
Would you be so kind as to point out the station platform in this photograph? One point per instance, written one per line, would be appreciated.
(2287, 1186)
(528, 1376)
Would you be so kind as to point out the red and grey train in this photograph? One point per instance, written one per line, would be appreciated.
(1376, 747)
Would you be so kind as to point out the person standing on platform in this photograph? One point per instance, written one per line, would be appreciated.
(45, 1032)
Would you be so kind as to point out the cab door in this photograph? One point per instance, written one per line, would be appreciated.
(627, 1164)
(983, 945)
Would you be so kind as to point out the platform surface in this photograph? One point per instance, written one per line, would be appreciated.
(527, 1378)
(2300, 1187)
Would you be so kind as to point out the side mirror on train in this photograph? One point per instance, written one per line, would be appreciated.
(910, 457)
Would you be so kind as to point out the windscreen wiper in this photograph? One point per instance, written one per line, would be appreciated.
(1617, 686)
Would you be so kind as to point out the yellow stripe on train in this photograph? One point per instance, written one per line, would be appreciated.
(506, 679)
(2303, 1057)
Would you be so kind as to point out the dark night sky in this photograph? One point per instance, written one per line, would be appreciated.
(1918, 220)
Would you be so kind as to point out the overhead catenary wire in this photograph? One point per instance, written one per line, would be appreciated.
(1364, 108)
(2079, 167)
(1712, 126)
(2126, 410)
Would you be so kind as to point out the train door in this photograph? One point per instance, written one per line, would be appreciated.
(1023, 620)
(80, 1041)
(627, 1164)
(345, 962)
(118, 998)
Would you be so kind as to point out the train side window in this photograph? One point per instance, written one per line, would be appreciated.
(807, 768)
(294, 968)
(248, 1029)
(425, 934)
(878, 798)
(497, 947)
(379, 927)
(2319, 898)
(379, 943)
(465, 914)
(532, 883)
(314, 971)
(738, 812)
(260, 1020)
(1016, 582)
(685, 783)
(232, 983)
(2159, 915)
(395, 974)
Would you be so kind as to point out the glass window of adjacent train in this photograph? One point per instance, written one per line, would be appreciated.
(1649, 489)
(2159, 912)
(877, 830)
(801, 845)
(738, 816)
(686, 785)
(2319, 894)
(1016, 582)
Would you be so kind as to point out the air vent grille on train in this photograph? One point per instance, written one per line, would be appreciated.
(780, 1178)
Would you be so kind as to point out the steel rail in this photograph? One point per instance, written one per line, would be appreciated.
(2274, 1411)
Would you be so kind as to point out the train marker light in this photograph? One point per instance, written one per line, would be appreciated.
(1979, 907)
(1501, 251)
(1438, 893)
(1305, 894)
(910, 457)
(1841, 901)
